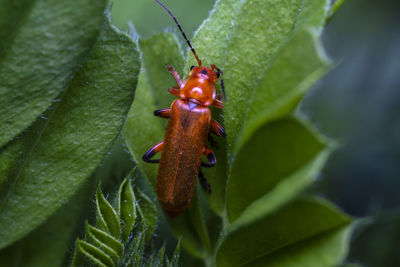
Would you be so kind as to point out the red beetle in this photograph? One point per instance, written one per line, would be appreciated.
(185, 138)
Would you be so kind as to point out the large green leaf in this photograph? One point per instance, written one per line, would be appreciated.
(191, 228)
(43, 43)
(142, 129)
(60, 153)
(307, 232)
(281, 150)
(157, 51)
(262, 28)
(184, 227)
(198, 220)
(262, 47)
(212, 37)
(283, 83)
(48, 244)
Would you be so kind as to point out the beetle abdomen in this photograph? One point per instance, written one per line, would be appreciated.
(184, 141)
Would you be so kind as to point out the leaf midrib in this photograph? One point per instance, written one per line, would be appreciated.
(24, 161)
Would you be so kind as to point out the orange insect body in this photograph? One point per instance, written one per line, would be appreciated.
(186, 135)
(184, 143)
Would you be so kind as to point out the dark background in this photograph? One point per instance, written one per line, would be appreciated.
(357, 104)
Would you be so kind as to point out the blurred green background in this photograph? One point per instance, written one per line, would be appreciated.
(149, 18)
(357, 104)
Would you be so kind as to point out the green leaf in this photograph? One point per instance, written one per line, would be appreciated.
(246, 37)
(258, 27)
(190, 227)
(132, 249)
(271, 99)
(157, 51)
(286, 190)
(308, 232)
(126, 208)
(148, 212)
(106, 240)
(137, 250)
(48, 244)
(322, 251)
(284, 151)
(158, 259)
(313, 15)
(198, 220)
(59, 154)
(183, 227)
(98, 243)
(274, 98)
(263, 28)
(380, 231)
(175, 257)
(215, 31)
(107, 218)
(96, 255)
(142, 129)
(42, 45)
(9, 160)
(336, 5)
(90, 238)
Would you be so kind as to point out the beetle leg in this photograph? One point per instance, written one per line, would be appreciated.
(218, 104)
(174, 74)
(203, 181)
(174, 90)
(210, 157)
(163, 113)
(152, 151)
(216, 128)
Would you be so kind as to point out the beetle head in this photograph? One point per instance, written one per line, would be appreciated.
(204, 73)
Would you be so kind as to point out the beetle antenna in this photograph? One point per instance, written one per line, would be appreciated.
(183, 33)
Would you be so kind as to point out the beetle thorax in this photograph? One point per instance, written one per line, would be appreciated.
(198, 90)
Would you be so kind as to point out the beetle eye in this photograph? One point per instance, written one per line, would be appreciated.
(204, 71)
(191, 67)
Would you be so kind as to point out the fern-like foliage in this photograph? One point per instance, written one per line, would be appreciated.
(123, 232)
